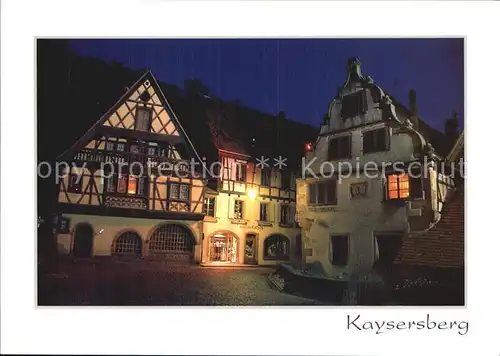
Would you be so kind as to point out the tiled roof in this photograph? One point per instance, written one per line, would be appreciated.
(443, 245)
(230, 126)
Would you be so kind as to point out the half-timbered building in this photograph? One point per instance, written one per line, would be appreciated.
(129, 186)
(249, 206)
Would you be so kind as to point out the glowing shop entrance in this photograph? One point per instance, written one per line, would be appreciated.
(223, 248)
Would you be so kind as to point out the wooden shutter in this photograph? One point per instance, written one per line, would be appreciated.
(387, 133)
(256, 210)
(272, 212)
(384, 186)
(331, 191)
(344, 150)
(250, 172)
(368, 141)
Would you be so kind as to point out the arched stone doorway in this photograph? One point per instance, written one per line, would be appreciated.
(128, 243)
(172, 241)
(223, 247)
(83, 240)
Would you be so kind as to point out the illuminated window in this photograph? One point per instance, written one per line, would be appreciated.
(238, 209)
(122, 184)
(209, 206)
(398, 186)
(132, 185)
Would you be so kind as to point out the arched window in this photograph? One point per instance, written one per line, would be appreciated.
(128, 243)
(171, 238)
(276, 247)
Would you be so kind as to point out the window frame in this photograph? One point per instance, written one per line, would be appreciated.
(375, 142)
(205, 206)
(361, 107)
(289, 208)
(265, 172)
(241, 172)
(337, 154)
(316, 186)
(268, 217)
(388, 190)
(242, 213)
(150, 118)
(345, 261)
(178, 199)
(116, 179)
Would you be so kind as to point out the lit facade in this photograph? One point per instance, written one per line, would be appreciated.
(250, 216)
(125, 192)
(354, 203)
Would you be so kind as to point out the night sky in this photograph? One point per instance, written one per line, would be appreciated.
(300, 76)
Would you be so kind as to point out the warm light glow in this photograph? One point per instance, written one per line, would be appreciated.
(132, 185)
(101, 231)
(399, 186)
(252, 193)
(308, 147)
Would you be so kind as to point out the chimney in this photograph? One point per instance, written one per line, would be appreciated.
(413, 108)
(451, 128)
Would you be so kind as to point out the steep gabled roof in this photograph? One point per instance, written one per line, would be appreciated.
(443, 245)
(214, 124)
(149, 78)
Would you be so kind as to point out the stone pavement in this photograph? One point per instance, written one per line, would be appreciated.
(141, 283)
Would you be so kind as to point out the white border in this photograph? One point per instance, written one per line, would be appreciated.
(307, 331)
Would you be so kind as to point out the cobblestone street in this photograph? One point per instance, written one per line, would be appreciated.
(139, 283)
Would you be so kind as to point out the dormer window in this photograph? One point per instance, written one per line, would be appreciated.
(353, 104)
